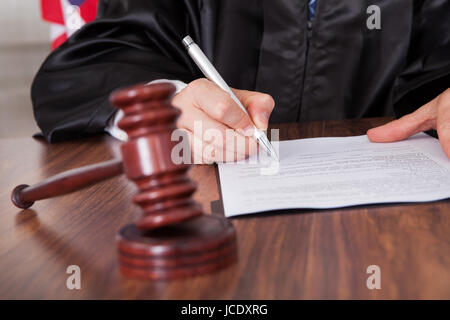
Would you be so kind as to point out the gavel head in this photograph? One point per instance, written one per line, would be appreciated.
(173, 238)
(165, 191)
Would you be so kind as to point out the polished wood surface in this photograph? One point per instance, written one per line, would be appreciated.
(293, 254)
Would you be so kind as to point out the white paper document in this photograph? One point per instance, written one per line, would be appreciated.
(337, 172)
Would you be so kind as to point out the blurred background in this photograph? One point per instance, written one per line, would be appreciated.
(29, 30)
(24, 44)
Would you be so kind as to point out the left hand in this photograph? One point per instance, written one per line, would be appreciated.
(433, 115)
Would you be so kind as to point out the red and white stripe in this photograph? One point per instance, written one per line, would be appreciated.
(65, 18)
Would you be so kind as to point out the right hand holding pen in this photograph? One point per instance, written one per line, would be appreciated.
(217, 128)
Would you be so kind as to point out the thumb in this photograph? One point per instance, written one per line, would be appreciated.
(259, 106)
(420, 120)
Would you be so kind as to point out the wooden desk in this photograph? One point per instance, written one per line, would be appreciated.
(292, 255)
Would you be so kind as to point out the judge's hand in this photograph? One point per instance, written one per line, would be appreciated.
(433, 115)
(217, 128)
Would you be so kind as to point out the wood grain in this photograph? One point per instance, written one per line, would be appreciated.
(293, 254)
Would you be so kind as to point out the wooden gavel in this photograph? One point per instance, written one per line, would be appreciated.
(173, 238)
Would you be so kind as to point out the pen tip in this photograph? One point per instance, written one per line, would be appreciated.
(269, 148)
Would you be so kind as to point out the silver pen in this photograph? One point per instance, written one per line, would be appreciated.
(211, 73)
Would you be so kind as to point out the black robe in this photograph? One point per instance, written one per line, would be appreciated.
(336, 69)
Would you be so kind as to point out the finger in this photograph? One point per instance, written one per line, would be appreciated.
(259, 106)
(208, 153)
(197, 148)
(219, 105)
(443, 121)
(183, 153)
(199, 122)
(422, 119)
(229, 145)
(236, 147)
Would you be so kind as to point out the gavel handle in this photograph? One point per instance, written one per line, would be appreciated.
(23, 196)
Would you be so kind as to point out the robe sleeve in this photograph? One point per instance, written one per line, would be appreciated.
(131, 41)
(427, 65)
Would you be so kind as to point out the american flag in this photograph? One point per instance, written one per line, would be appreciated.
(66, 17)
